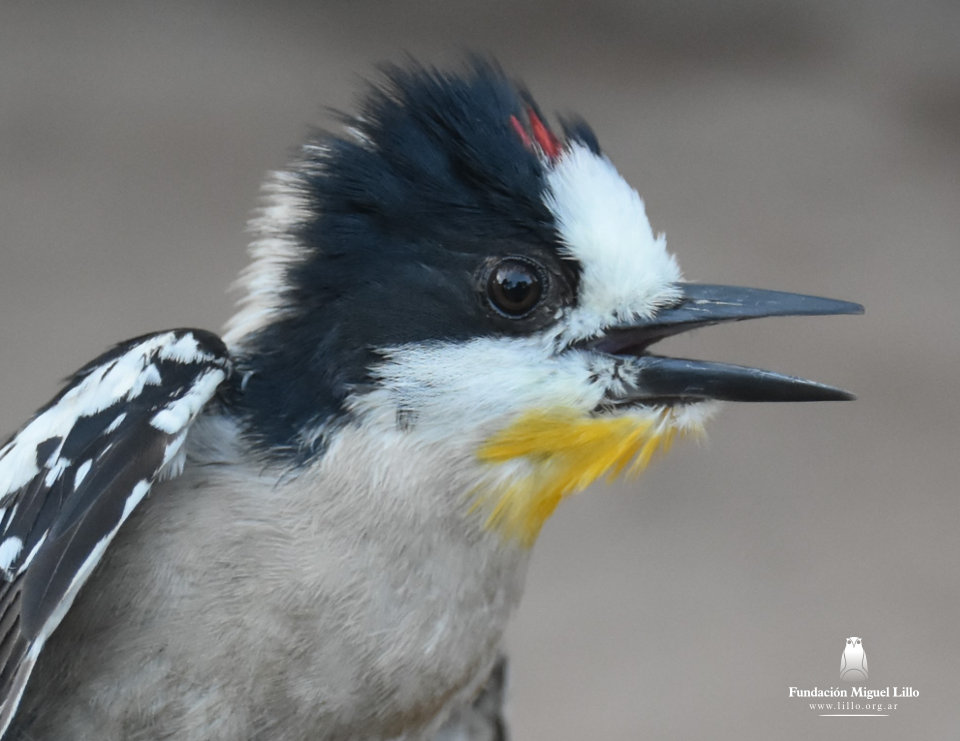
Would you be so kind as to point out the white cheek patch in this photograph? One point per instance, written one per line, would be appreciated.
(627, 272)
(443, 392)
(457, 390)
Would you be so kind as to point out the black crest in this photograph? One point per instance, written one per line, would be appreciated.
(439, 173)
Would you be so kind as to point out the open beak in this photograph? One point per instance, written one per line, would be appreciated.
(674, 380)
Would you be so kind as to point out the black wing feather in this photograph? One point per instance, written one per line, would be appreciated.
(72, 475)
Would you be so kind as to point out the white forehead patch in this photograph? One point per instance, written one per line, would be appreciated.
(627, 272)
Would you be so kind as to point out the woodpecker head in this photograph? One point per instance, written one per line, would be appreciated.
(453, 272)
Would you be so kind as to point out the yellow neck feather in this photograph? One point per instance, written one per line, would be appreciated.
(563, 452)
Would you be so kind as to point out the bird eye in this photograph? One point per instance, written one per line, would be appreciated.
(515, 286)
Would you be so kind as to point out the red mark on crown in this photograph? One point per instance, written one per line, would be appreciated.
(538, 135)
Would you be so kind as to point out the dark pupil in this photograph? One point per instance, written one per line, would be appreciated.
(514, 287)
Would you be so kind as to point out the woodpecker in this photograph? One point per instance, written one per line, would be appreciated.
(318, 525)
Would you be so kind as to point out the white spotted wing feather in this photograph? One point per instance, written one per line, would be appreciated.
(71, 477)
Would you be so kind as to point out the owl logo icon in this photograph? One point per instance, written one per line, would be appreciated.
(853, 663)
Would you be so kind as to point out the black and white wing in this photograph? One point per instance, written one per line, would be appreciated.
(76, 471)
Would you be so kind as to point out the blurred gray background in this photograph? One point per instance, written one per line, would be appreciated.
(806, 146)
